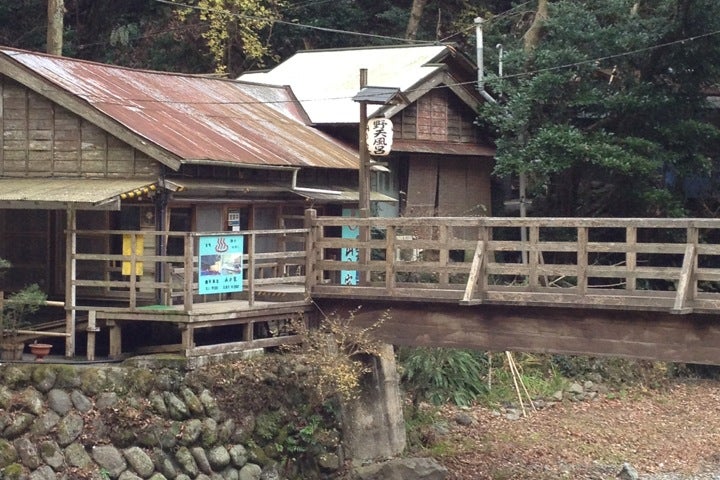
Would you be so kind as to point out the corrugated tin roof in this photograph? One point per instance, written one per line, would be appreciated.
(198, 119)
(61, 193)
(327, 97)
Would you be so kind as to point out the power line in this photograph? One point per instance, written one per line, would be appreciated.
(296, 24)
(610, 57)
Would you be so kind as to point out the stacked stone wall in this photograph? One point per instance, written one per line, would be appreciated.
(122, 422)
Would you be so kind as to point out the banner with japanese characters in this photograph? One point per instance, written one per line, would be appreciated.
(221, 264)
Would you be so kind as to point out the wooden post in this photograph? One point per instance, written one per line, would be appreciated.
(91, 331)
(443, 255)
(631, 258)
(390, 257)
(188, 273)
(70, 277)
(115, 334)
(133, 271)
(364, 155)
(582, 260)
(363, 185)
(534, 257)
(311, 274)
(187, 335)
(251, 269)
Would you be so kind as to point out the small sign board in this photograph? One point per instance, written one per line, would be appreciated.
(379, 136)
(221, 264)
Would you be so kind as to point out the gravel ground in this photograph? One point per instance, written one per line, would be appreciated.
(672, 433)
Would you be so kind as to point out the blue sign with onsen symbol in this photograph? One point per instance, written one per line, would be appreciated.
(221, 267)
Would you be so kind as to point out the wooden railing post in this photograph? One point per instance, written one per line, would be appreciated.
(251, 269)
(443, 254)
(631, 259)
(70, 286)
(390, 254)
(188, 272)
(582, 260)
(311, 274)
(534, 256)
(133, 271)
(364, 251)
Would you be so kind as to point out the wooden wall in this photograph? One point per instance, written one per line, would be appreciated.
(41, 139)
(448, 186)
(437, 116)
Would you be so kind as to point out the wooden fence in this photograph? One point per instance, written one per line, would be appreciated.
(126, 270)
(630, 263)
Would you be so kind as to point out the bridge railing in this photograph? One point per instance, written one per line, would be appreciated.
(628, 263)
(128, 270)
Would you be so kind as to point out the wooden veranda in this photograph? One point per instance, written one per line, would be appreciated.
(145, 284)
(648, 288)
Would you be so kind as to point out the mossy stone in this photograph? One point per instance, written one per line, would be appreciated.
(8, 453)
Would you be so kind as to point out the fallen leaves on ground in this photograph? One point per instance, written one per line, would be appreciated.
(673, 430)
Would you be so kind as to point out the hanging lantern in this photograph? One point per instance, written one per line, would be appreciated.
(379, 136)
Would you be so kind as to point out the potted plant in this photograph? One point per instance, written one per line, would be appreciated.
(14, 312)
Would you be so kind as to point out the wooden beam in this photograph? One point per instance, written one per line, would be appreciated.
(691, 338)
(478, 256)
(685, 283)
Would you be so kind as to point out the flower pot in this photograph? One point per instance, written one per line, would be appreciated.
(11, 351)
(40, 350)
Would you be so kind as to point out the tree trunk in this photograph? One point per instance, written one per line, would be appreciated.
(56, 12)
(534, 33)
(415, 15)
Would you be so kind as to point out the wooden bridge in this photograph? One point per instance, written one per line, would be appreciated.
(636, 287)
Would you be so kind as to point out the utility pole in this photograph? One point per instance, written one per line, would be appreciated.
(56, 12)
(363, 181)
(364, 155)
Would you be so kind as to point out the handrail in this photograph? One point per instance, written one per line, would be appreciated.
(649, 263)
(99, 266)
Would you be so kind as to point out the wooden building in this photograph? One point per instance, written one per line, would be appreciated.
(87, 147)
(441, 163)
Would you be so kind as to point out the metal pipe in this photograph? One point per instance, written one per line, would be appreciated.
(481, 61)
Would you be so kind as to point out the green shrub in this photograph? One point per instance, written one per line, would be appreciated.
(442, 375)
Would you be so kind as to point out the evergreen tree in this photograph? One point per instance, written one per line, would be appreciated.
(603, 105)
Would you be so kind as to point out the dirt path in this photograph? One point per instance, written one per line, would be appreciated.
(669, 434)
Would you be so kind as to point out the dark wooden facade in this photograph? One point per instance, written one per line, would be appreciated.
(42, 139)
(437, 142)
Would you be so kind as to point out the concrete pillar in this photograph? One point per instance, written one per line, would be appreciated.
(374, 427)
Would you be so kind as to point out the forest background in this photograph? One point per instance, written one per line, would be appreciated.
(604, 107)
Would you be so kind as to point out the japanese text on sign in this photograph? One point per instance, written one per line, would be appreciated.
(221, 265)
(379, 136)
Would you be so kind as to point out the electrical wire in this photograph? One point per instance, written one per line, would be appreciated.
(504, 77)
(299, 25)
(610, 57)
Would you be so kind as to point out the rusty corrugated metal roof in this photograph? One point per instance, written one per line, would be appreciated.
(198, 119)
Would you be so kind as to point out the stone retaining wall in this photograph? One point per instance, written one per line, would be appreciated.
(128, 422)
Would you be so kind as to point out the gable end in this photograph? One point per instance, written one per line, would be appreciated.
(39, 138)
